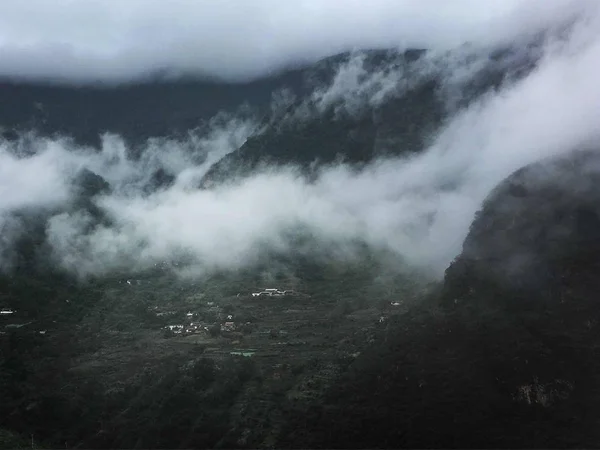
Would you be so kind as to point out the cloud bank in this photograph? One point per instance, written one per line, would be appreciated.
(110, 41)
(420, 207)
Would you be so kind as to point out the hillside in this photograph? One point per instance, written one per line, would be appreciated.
(504, 355)
(378, 104)
(162, 344)
(134, 111)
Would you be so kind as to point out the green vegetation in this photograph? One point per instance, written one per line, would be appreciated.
(331, 136)
(104, 375)
(500, 355)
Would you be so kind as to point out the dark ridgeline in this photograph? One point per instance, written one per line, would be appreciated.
(134, 111)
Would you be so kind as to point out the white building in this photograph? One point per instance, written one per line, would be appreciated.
(271, 293)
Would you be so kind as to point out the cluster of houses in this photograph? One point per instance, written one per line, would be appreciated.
(227, 326)
(190, 327)
(273, 293)
(186, 329)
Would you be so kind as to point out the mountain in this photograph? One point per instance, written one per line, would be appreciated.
(365, 105)
(138, 111)
(528, 249)
(505, 354)
(134, 111)
(363, 352)
(354, 106)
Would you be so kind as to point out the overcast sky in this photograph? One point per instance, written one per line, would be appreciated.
(116, 40)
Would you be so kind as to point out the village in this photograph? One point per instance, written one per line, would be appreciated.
(291, 339)
(278, 328)
(266, 318)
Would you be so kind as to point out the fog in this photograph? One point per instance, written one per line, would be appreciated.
(419, 208)
(109, 41)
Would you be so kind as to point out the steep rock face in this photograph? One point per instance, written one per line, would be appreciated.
(532, 230)
(507, 354)
(529, 273)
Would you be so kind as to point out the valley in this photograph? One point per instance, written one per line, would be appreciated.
(392, 247)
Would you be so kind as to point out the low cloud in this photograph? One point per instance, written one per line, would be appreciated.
(420, 207)
(108, 41)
